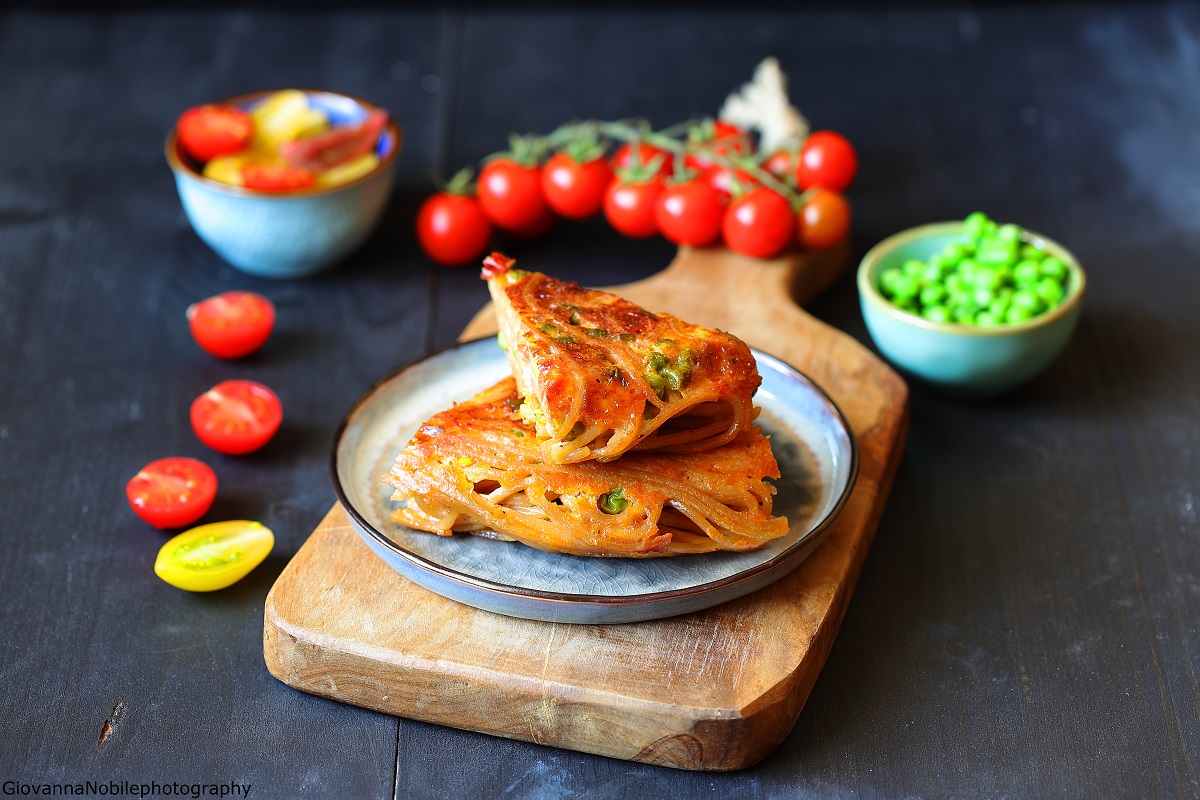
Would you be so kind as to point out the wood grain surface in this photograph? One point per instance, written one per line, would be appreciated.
(713, 690)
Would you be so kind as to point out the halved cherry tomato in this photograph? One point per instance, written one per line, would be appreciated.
(213, 556)
(172, 492)
(823, 221)
(214, 130)
(511, 194)
(760, 223)
(623, 158)
(827, 160)
(276, 177)
(236, 417)
(231, 324)
(629, 207)
(453, 229)
(690, 213)
(575, 190)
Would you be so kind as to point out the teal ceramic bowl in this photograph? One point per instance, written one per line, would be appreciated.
(964, 359)
(293, 234)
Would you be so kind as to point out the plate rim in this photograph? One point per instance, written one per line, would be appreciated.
(568, 598)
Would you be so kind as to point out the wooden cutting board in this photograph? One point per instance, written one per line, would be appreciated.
(713, 690)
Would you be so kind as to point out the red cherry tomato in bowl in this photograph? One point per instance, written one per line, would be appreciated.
(511, 194)
(690, 213)
(828, 161)
(206, 132)
(823, 221)
(231, 324)
(277, 177)
(575, 190)
(172, 492)
(629, 207)
(760, 224)
(236, 417)
(453, 229)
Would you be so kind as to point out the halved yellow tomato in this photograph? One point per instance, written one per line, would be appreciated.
(286, 116)
(213, 556)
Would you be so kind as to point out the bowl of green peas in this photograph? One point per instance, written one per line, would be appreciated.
(971, 306)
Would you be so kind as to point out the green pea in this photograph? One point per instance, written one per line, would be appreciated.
(1054, 268)
(998, 307)
(964, 315)
(955, 252)
(1005, 293)
(1025, 274)
(1050, 292)
(933, 294)
(936, 314)
(974, 224)
(986, 319)
(1031, 252)
(983, 297)
(988, 229)
(934, 271)
(887, 280)
(1009, 233)
(967, 268)
(1027, 300)
(955, 282)
(988, 279)
(1017, 314)
(906, 287)
(913, 267)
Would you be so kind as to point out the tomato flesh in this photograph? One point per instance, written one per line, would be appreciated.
(453, 229)
(232, 324)
(213, 556)
(236, 417)
(172, 492)
(206, 132)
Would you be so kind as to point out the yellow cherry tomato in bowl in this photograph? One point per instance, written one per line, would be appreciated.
(213, 556)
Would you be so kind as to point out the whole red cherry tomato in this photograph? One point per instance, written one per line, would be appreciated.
(760, 223)
(827, 161)
(690, 213)
(623, 158)
(575, 190)
(511, 194)
(823, 221)
(721, 139)
(629, 207)
(453, 229)
(783, 165)
(231, 324)
(276, 177)
(722, 178)
(172, 492)
(236, 417)
(214, 130)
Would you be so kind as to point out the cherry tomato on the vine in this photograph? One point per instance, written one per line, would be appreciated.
(214, 130)
(629, 207)
(760, 223)
(828, 161)
(783, 165)
(511, 194)
(623, 158)
(823, 221)
(726, 139)
(236, 417)
(690, 213)
(231, 324)
(722, 179)
(575, 190)
(538, 228)
(452, 229)
(172, 492)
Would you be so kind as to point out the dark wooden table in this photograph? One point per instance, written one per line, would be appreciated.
(1027, 621)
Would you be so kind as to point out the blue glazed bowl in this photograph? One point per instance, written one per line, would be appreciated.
(293, 234)
(965, 359)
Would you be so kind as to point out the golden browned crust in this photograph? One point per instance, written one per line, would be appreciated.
(479, 467)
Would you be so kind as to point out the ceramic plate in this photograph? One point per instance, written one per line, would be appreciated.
(810, 438)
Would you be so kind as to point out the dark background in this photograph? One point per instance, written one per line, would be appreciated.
(1027, 620)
